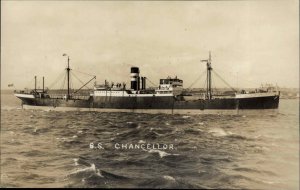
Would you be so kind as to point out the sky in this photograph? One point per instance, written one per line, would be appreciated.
(251, 42)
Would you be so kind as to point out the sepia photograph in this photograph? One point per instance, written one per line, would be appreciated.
(150, 94)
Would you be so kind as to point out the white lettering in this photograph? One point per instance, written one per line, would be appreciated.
(143, 147)
(165, 146)
(148, 146)
(124, 146)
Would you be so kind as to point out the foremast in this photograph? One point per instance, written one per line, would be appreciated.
(68, 77)
(68, 69)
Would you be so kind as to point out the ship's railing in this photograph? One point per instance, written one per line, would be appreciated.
(56, 96)
(72, 97)
(23, 92)
(80, 97)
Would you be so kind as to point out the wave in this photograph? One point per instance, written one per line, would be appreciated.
(93, 177)
(109, 175)
(82, 172)
(238, 137)
(167, 182)
(34, 153)
(76, 161)
(193, 131)
(218, 132)
(250, 170)
(161, 153)
(9, 161)
(167, 177)
(131, 124)
(142, 133)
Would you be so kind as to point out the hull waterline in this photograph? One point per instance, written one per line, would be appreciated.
(148, 104)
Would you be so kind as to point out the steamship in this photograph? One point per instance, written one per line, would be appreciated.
(168, 97)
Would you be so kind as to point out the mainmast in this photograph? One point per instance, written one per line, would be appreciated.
(68, 73)
(35, 83)
(208, 79)
(43, 85)
(68, 76)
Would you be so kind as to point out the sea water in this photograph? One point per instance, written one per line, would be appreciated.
(41, 148)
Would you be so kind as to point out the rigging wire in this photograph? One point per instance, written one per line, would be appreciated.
(201, 75)
(214, 88)
(244, 79)
(76, 77)
(84, 85)
(71, 82)
(63, 83)
(80, 81)
(56, 80)
(224, 81)
(151, 82)
(83, 73)
(204, 85)
(211, 84)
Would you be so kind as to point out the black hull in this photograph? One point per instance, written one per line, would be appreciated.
(266, 102)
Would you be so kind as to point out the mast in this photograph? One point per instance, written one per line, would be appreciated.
(208, 75)
(35, 83)
(68, 76)
(43, 85)
(207, 82)
(209, 68)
